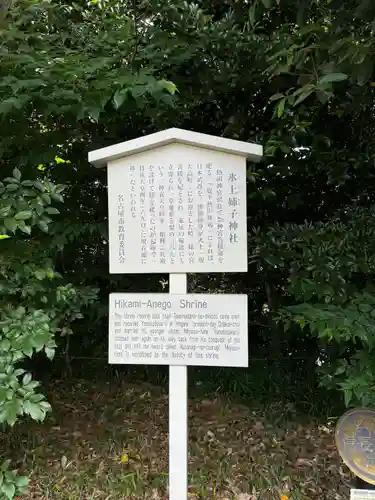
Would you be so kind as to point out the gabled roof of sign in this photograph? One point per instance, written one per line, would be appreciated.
(100, 157)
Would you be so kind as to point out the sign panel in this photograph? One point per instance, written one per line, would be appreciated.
(189, 329)
(177, 209)
(362, 494)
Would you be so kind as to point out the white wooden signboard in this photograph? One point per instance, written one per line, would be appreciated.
(362, 494)
(194, 330)
(177, 205)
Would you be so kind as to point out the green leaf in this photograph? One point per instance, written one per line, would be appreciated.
(25, 229)
(12, 187)
(10, 476)
(9, 490)
(94, 113)
(39, 186)
(37, 398)
(348, 395)
(253, 13)
(119, 97)
(324, 96)
(38, 208)
(8, 105)
(333, 77)
(45, 405)
(365, 71)
(168, 86)
(28, 350)
(138, 90)
(272, 260)
(27, 183)
(50, 353)
(10, 224)
(40, 274)
(5, 464)
(280, 107)
(43, 226)
(52, 211)
(17, 174)
(21, 481)
(276, 97)
(4, 344)
(56, 196)
(303, 96)
(24, 215)
(31, 385)
(26, 378)
(34, 410)
(4, 211)
(46, 198)
(11, 411)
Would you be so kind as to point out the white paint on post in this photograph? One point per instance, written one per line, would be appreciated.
(178, 414)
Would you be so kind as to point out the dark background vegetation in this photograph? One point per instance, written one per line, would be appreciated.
(293, 76)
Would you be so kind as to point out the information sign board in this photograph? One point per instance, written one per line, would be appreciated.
(177, 208)
(362, 494)
(177, 205)
(181, 329)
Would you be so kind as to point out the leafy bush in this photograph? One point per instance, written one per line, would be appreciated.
(35, 303)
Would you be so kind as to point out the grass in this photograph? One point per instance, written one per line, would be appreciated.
(111, 442)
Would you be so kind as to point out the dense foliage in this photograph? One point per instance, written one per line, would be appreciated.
(294, 76)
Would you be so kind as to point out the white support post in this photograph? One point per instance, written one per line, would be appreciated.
(178, 414)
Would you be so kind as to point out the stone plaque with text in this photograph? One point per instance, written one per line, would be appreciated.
(191, 329)
(177, 209)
